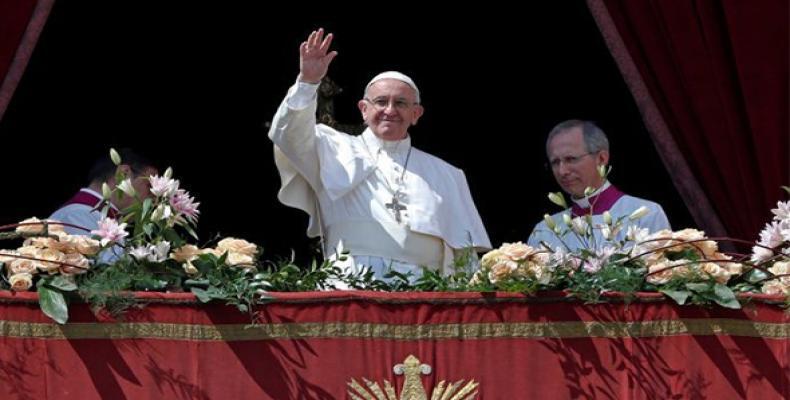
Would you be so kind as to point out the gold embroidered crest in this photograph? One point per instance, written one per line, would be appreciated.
(412, 386)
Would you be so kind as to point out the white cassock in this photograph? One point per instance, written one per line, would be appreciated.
(354, 179)
(620, 205)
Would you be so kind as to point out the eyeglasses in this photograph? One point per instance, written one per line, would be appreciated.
(381, 103)
(567, 160)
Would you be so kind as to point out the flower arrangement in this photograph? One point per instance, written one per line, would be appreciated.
(616, 255)
(147, 248)
(51, 257)
(771, 254)
(515, 267)
(144, 249)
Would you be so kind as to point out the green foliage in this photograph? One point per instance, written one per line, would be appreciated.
(699, 290)
(51, 296)
(626, 279)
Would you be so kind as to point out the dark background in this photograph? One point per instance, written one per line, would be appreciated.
(193, 85)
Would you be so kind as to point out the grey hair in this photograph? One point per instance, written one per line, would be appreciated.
(594, 138)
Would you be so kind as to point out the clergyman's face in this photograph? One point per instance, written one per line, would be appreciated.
(573, 166)
(390, 108)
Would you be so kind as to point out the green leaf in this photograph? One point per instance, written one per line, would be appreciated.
(725, 297)
(128, 217)
(191, 232)
(53, 304)
(756, 275)
(205, 264)
(171, 235)
(698, 287)
(150, 283)
(196, 282)
(62, 283)
(201, 294)
(146, 209)
(680, 296)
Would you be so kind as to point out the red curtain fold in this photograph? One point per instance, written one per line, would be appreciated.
(21, 22)
(711, 80)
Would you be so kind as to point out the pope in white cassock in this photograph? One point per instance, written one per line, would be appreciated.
(391, 205)
(576, 149)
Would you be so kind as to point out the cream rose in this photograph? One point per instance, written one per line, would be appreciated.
(21, 282)
(489, 259)
(216, 252)
(85, 245)
(23, 266)
(53, 259)
(237, 246)
(721, 275)
(774, 287)
(41, 242)
(781, 268)
(659, 273)
(35, 227)
(501, 270)
(189, 268)
(79, 262)
(239, 259)
(185, 253)
(517, 251)
(8, 258)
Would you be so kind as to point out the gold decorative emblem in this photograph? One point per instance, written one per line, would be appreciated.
(412, 386)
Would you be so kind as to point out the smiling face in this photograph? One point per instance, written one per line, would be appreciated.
(574, 167)
(389, 108)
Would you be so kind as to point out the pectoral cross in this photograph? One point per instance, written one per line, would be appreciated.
(396, 207)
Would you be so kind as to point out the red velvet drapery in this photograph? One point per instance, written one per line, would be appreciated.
(310, 345)
(21, 22)
(711, 80)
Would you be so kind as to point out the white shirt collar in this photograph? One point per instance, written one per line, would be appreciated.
(391, 147)
(584, 201)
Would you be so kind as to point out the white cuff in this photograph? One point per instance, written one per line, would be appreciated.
(301, 95)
